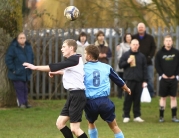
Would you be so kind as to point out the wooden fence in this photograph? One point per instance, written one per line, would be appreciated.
(47, 49)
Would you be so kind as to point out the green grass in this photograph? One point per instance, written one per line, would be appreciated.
(39, 122)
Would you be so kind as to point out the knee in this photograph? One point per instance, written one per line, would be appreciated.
(173, 98)
(74, 131)
(115, 129)
(163, 99)
(59, 124)
(91, 125)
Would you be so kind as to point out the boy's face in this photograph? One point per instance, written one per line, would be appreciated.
(86, 56)
(168, 42)
(66, 50)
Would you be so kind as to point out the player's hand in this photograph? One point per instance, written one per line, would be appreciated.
(172, 77)
(51, 74)
(29, 66)
(126, 89)
(164, 76)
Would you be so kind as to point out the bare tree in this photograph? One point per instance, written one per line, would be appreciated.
(10, 26)
(164, 11)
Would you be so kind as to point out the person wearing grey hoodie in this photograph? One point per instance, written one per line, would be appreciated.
(81, 44)
(120, 50)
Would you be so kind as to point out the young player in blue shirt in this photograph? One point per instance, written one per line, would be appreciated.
(97, 85)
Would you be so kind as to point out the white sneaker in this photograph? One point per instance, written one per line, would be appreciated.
(138, 119)
(126, 120)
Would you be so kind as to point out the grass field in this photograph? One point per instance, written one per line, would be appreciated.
(39, 122)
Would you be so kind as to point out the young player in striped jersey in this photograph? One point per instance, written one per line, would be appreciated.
(73, 78)
(97, 85)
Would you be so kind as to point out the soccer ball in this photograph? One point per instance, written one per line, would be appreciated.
(71, 13)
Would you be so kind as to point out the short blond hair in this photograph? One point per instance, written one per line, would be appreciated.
(167, 36)
(71, 42)
(135, 40)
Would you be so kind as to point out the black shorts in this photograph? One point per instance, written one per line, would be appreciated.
(168, 87)
(74, 106)
(102, 106)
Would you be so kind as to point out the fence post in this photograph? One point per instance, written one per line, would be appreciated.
(38, 62)
(158, 47)
(177, 37)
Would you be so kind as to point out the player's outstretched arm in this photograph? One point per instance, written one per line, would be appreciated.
(33, 67)
(126, 89)
(51, 74)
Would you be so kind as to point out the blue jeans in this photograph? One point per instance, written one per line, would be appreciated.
(150, 80)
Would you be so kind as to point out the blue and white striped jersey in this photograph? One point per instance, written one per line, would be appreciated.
(97, 81)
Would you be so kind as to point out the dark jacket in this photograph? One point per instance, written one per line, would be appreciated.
(15, 57)
(104, 50)
(137, 73)
(167, 62)
(147, 46)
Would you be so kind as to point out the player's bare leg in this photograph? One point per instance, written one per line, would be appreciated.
(92, 130)
(91, 125)
(77, 131)
(173, 101)
(114, 127)
(162, 104)
(61, 125)
(117, 131)
(61, 121)
(173, 105)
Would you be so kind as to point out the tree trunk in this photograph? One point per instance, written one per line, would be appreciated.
(7, 94)
(11, 25)
(177, 11)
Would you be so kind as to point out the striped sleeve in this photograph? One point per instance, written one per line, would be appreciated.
(115, 78)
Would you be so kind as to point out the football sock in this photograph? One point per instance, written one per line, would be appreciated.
(83, 135)
(66, 132)
(161, 111)
(119, 135)
(93, 133)
(174, 111)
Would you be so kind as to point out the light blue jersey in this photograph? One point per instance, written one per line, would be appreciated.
(97, 81)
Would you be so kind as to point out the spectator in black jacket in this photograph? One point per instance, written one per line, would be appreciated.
(147, 47)
(135, 73)
(167, 66)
